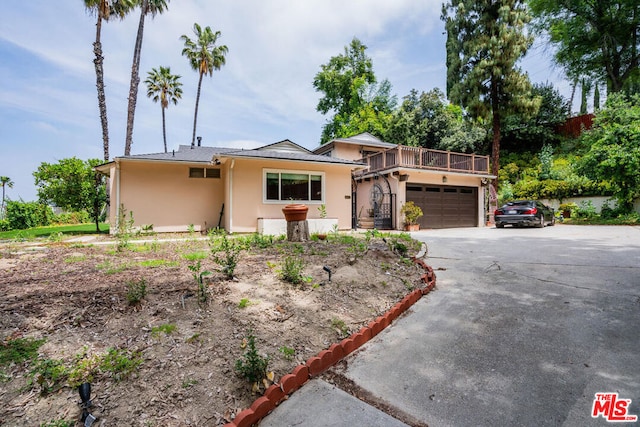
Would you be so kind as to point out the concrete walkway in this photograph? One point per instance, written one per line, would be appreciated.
(525, 326)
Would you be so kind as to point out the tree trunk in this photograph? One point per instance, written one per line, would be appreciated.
(195, 116)
(135, 79)
(298, 231)
(102, 102)
(164, 130)
(495, 147)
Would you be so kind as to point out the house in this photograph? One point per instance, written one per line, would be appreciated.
(451, 188)
(361, 181)
(200, 188)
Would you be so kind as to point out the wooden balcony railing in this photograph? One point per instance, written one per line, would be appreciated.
(424, 158)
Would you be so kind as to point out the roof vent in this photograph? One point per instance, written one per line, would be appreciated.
(173, 153)
(199, 138)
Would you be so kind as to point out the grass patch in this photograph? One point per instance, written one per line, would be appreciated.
(108, 268)
(19, 350)
(76, 258)
(195, 256)
(166, 329)
(155, 263)
(48, 231)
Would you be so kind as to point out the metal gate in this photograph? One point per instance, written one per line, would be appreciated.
(383, 210)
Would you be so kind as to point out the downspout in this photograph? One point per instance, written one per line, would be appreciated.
(230, 209)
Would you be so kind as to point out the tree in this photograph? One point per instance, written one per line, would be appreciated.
(614, 153)
(105, 10)
(525, 132)
(72, 184)
(204, 56)
(593, 39)
(351, 93)
(5, 182)
(485, 40)
(147, 7)
(164, 87)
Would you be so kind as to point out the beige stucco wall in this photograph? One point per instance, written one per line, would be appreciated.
(245, 198)
(162, 194)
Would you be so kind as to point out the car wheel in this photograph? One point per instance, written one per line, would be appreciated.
(499, 225)
(540, 223)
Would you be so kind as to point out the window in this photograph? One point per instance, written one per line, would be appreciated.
(293, 185)
(204, 173)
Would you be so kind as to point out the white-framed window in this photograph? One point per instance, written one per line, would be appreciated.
(288, 185)
(204, 173)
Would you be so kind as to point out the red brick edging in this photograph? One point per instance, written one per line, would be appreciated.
(316, 365)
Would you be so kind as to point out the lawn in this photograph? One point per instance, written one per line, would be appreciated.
(53, 230)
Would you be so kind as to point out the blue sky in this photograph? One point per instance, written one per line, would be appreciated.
(48, 101)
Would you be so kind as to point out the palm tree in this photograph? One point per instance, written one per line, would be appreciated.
(5, 181)
(147, 7)
(105, 10)
(164, 87)
(204, 56)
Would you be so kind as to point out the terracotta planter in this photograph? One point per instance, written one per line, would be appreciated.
(295, 212)
(412, 227)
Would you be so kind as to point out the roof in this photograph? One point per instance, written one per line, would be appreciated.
(364, 138)
(282, 150)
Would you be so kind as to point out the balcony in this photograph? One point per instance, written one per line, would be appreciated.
(424, 158)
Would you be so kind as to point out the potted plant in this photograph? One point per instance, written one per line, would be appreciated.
(295, 212)
(411, 213)
(567, 208)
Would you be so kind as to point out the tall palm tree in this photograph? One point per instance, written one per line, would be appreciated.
(204, 57)
(105, 10)
(164, 87)
(147, 7)
(5, 181)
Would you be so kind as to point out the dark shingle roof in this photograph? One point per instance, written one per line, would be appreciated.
(364, 138)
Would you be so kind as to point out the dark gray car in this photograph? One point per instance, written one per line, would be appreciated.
(524, 213)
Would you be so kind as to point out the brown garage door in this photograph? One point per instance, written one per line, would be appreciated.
(444, 206)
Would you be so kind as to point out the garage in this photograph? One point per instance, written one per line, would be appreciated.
(445, 206)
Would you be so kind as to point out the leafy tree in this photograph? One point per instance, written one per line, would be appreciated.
(614, 155)
(204, 56)
(147, 7)
(164, 87)
(485, 40)
(524, 132)
(351, 93)
(72, 184)
(105, 10)
(5, 182)
(594, 39)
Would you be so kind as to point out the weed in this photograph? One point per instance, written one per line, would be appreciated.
(322, 211)
(271, 265)
(340, 327)
(189, 382)
(226, 253)
(193, 338)
(407, 284)
(262, 241)
(75, 258)
(55, 237)
(19, 350)
(385, 266)
(244, 302)
(357, 249)
(48, 374)
(198, 276)
(120, 363)
(58, 423)
(108, 268)
(136, 291)
(85, 369)
(291, 270)
(254, 366)
(287, 352)
(166, 328)
(191, 229)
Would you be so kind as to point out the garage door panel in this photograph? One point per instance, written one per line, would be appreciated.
(445, 206)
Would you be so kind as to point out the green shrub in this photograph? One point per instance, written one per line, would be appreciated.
(136, 291)
(19, 350)
(253, 366)
(226, 253)
(291, 270)
(23, 215)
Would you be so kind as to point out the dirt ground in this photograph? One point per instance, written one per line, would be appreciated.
(75, 296)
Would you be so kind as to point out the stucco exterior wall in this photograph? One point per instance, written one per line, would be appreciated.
(163, 194)
(246, 200)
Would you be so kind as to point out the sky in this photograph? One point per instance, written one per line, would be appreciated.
(264, 93)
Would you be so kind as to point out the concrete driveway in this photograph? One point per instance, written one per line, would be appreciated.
(525, 326)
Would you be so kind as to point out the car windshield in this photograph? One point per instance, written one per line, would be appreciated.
(521, 203)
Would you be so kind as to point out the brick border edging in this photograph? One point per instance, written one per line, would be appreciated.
(316, 365)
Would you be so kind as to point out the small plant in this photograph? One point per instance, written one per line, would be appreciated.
(411, 213)
(155, 263)
(136, 291)
(262, 241)
(287, 352)
(193, 339)
(244, 302)
(120, 363)
(226, 253)
(109, 268)
(322, 211)
(49, 375)
(166, 328)
(291, 270)
(252, 367)
(124, 229)
(194, 256)
(147, 228)
(58, 423)
(75, 258)
(340, 327)
(191, 229)
(55, 237)
(189, 382)
(198, 275)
